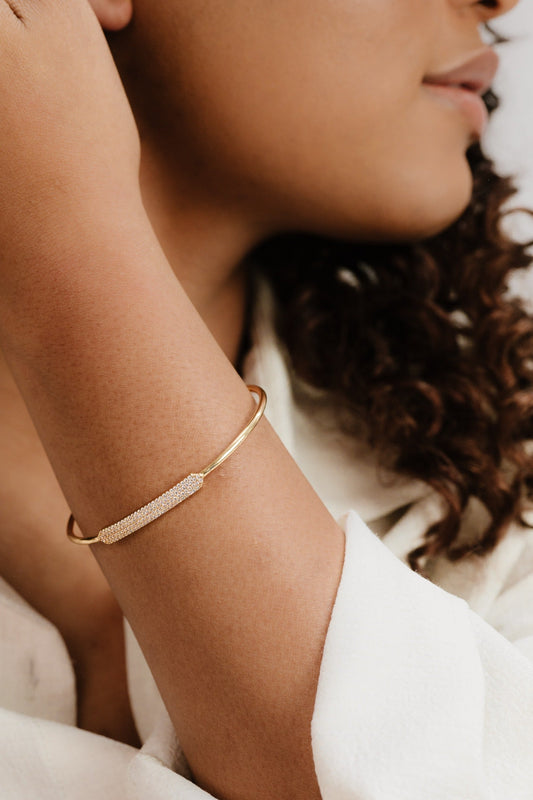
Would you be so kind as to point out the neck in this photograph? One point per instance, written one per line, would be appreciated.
(205, 246)
(205, 224)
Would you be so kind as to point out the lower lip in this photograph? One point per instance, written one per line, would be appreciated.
(467, 101)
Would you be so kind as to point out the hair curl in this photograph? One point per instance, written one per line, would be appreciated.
(421, 345)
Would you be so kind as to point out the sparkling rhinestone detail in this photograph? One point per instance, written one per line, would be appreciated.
(177, 494)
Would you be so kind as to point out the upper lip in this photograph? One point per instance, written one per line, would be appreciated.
(476, 73)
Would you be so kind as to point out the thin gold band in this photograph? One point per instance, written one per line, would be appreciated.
(173, 496)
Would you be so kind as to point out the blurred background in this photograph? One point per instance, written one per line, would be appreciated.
(509, 138)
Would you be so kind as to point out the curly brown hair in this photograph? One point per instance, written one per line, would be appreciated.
(420, 346)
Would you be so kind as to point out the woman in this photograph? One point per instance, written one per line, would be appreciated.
(308, 165)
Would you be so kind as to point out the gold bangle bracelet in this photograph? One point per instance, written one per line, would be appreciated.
(173, 496)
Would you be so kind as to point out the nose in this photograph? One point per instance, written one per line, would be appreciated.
(488, 9)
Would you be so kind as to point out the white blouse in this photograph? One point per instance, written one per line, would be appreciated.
(425, 689)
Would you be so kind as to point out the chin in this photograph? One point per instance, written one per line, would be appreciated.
(427, 229)
(434, 209)
(419, 203)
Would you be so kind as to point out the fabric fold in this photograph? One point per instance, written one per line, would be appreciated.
(416, 692)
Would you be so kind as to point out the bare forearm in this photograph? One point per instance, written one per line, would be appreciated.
(230, 593)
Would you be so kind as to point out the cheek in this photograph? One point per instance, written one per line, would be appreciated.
(312, 113)
(395, 168)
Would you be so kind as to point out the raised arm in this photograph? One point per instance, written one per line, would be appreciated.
(230, 593)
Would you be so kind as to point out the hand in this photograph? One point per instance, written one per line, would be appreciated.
(69, 145)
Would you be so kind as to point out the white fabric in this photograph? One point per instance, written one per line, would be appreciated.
(425, 688)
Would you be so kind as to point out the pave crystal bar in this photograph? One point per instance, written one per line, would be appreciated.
(152, 510)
